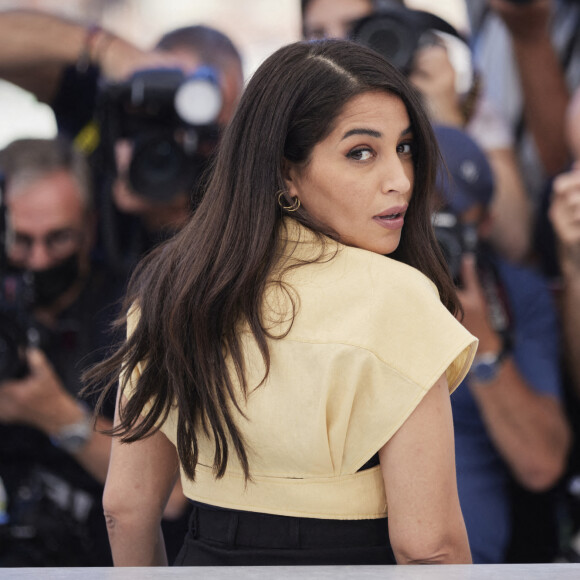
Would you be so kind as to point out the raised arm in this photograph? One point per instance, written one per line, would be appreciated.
(35, 47)
(546, 94)
(140, 480)
(418, 464)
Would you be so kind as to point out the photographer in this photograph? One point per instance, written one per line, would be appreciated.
(559, 254)
(438, 61)
(52, 461)
(154, 153)
(529, 52)
(510, 427)
(70, 66)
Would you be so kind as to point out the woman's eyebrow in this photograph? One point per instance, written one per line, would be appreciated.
(373, 133)
(369, 132)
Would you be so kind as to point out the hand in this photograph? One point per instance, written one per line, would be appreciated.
(155, 215)
(434, 75)
(39, 399)
(119, 59)
(564, 214)
(527, 21)
(475, 317)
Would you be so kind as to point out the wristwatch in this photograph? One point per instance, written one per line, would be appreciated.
(486, 366)
(73, 437)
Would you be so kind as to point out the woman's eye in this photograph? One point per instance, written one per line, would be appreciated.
(360, 154)
(405, 148)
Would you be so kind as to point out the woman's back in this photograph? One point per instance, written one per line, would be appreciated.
(368, 339)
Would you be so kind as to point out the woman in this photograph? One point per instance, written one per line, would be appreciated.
(279, 351)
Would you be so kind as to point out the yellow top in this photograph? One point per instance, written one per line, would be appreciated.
(369, 339)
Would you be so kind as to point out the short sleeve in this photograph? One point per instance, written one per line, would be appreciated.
(393, 311)
(410, 340)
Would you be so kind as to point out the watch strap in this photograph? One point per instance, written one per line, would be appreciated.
(73, 437)
(486, 366)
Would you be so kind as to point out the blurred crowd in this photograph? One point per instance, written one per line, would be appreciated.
(137, 130)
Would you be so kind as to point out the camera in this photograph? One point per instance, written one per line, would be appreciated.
(16, 301)
(396, 33)
(171, 121)
(455, 239)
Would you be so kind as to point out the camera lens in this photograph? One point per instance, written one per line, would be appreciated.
(391, 38)
(198, 100)
(158, 168)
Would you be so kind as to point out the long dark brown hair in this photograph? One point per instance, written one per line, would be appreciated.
(194, 290)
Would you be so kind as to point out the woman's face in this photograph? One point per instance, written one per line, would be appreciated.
(359, 179)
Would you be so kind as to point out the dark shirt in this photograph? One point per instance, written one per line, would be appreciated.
(54, 505)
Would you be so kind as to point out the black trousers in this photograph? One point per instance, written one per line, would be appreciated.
(220, 537)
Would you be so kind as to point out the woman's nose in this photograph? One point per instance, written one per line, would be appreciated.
(398, 175)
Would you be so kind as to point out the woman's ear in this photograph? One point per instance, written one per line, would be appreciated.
(289, 172)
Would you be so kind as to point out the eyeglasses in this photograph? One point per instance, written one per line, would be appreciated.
(58, 244)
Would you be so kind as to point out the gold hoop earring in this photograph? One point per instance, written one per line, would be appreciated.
(295, 204)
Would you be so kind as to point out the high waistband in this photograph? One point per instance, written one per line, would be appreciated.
(258, 530)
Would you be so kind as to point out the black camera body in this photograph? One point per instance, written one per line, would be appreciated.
(16, 302)
(455, 239)
(171, 121)
(16, 293)
(397, 32)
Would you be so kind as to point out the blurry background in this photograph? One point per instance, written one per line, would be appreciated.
(257, 27)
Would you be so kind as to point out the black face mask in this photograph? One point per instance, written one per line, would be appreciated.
(51, 283)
